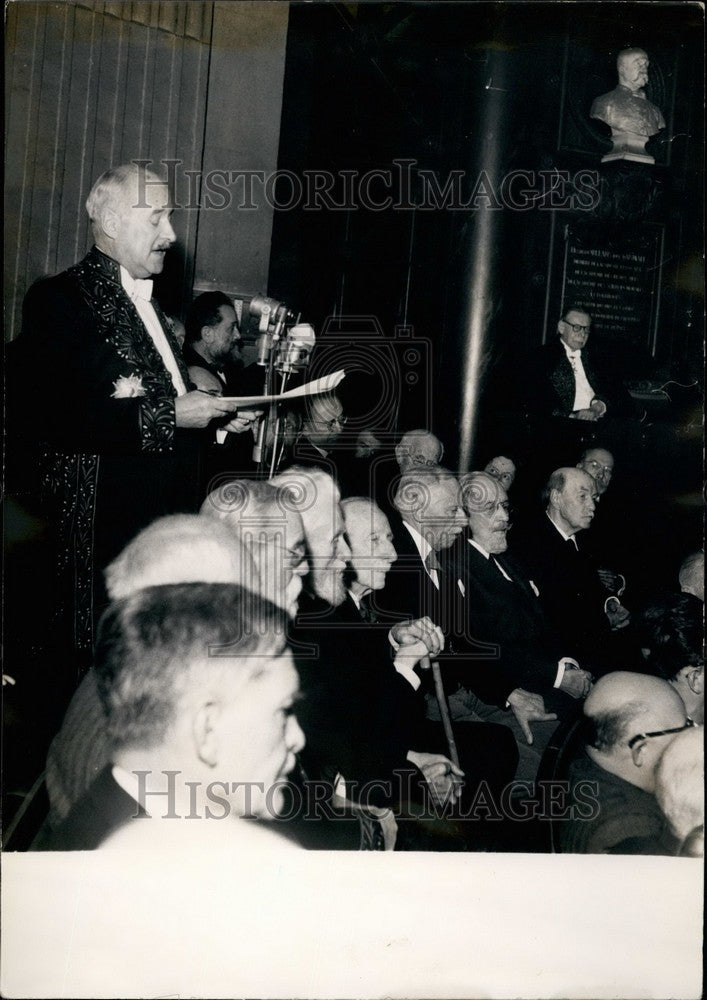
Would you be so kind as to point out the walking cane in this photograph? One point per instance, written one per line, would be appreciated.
(443, 709)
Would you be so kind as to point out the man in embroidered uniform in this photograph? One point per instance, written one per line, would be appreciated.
(119, 426)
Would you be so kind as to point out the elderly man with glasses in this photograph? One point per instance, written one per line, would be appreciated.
(572, 381)
(630, 720)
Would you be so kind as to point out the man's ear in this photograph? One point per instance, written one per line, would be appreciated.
(205, 334)
(638, 753)
(694, 678)
(205, 733)
(110, 221)
(554, 498)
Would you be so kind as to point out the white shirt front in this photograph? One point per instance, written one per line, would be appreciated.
(583, 392)
(139, 291)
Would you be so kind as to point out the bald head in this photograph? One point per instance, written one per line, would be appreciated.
(181, 548)
(637, 709)
(570, 499)
(692, 575)
(632, 66)
(418, 449)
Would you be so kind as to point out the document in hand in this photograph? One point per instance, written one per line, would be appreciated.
(324, 384)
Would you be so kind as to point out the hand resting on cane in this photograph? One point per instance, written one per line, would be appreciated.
(415, 640)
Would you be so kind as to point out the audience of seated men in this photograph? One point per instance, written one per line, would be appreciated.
(630, 719)
(680, 791)
(429, 519)
(672, 641)
(574, 601)
(361, 713)
(197, 687)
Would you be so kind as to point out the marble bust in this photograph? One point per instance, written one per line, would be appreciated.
(626, 109)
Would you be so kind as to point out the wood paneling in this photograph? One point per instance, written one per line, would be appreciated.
(89, 85)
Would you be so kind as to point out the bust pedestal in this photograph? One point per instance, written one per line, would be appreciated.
(628, 146)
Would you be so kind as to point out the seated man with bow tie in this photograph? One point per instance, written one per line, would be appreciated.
(571, 381)
(116, 419)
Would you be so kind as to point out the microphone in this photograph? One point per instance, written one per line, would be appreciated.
(296, 348)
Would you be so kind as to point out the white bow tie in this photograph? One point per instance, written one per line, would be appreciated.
(142, 289)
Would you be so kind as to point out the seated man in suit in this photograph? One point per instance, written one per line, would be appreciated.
(211, 341)
(630, 720)
(574, 601)
(430, 519)
(570, 381)
(502, 610)
(197, 686)
(180, 548)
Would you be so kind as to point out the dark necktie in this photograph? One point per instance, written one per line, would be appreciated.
(366, 611)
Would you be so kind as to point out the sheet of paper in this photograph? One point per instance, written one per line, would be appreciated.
(324, 384)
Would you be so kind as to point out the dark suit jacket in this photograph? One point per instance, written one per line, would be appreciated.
(360, 717)
(615, 817)
(508, 617)
(551, 390)
(104, 808)
(410, 593)
(571, 595)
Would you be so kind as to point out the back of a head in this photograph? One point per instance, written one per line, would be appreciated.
(622, 704)
(179, 548)
(672, 633)
(679, 783)
(153, 643)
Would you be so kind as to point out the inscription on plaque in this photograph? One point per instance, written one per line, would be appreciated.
(616, 278)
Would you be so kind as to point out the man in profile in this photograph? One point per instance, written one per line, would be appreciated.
(197, 686)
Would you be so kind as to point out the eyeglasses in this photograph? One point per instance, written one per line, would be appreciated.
(598, 467)
(331, 424)
(659, 732)
(577, 327)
